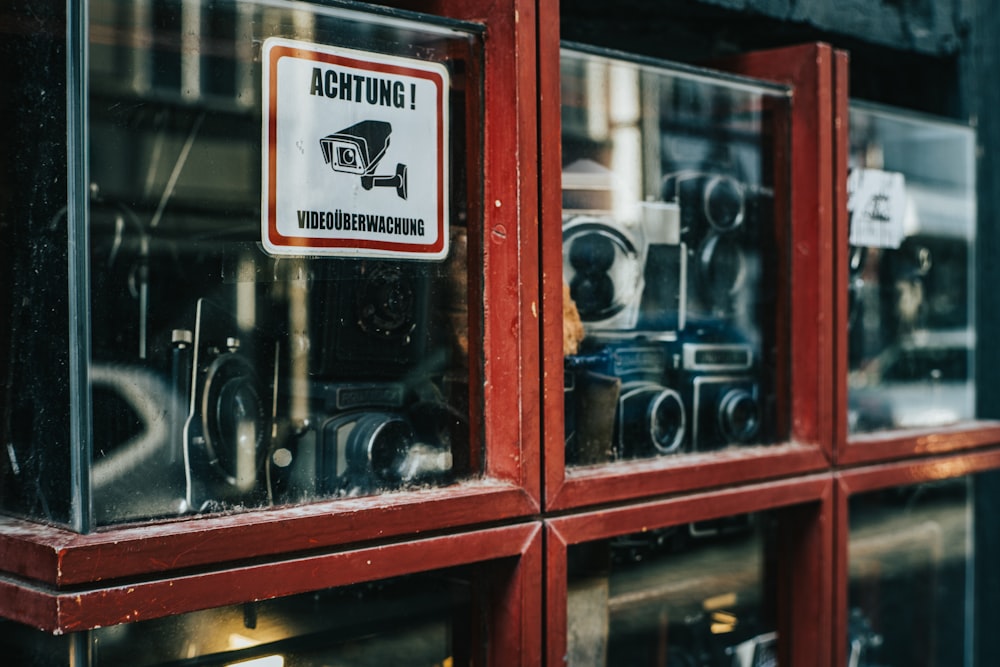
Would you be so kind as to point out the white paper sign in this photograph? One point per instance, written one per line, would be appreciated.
(355, 153)
(876, 202)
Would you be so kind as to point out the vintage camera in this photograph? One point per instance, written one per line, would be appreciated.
(225, 376)
(627, 277)
(717, 379)
(367, 411)
(358, 149)
(371, 437)
(721, 220)
(649, 418)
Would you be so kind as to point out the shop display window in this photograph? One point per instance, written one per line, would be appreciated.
(695, 594)
(426, 619)
(670, 260)
(911, 318)
(689, 582)
(911, 579)
(270, 271)
(408, 333)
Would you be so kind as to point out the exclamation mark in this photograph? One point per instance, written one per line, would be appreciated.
(413, 96)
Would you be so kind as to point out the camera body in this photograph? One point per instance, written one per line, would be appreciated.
(720, 225)
(718, 380)
(368, 415)
(371, 437)
(695, 392)
(368, 318)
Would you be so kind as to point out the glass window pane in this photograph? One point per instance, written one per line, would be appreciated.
(669, 259)
(34, 308)
(227, 374)
(696, 594)
(910, 567)
(428, 620)
(911, 330)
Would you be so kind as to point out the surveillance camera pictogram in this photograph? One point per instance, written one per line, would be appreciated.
(358, 149)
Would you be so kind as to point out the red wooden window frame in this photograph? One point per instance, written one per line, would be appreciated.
(513, 554)
(815, 126)
(888, 445)
(805, 544)
(507, 339)
(885, 476)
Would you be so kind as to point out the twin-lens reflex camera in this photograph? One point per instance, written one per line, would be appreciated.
(666, 294)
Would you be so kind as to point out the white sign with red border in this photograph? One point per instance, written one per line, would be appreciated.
(355, 153)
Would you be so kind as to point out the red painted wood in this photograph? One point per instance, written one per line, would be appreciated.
(805, 578)
(884, 476)
(805, 530)
(556, 593)
(145, 599)
(515, 636)
(662, 475)
(807, 400)
(840, 572)
(61, 558)
(890, 445)
(622, 520)
(840, 273)
(917, 470)
(809, 70)
(550, 223)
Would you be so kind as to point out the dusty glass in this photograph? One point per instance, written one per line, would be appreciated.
(911, 264)
(259, 291)
(671, 207)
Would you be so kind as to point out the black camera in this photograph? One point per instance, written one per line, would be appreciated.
(697, 393)
(717, 378)
(372, 437)
(647, 418)
(368, 318)
(225, 377)
(720, 218)
(368, 413)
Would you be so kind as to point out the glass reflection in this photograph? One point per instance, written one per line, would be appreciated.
(911, 331)
(685, 596)
(910, 567)
(669, 259)
(426, 620)
(224, 377)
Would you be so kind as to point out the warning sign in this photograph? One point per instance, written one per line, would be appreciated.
(355, 153)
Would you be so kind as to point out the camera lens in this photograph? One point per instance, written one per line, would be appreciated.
(591, 254)
(650, 420)
(593, 290)
(347, 156)
(601, 266)
(233, 419)
(723, 203)
(593, 295)
(377, 446)
(666, 422)
(739, 416)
